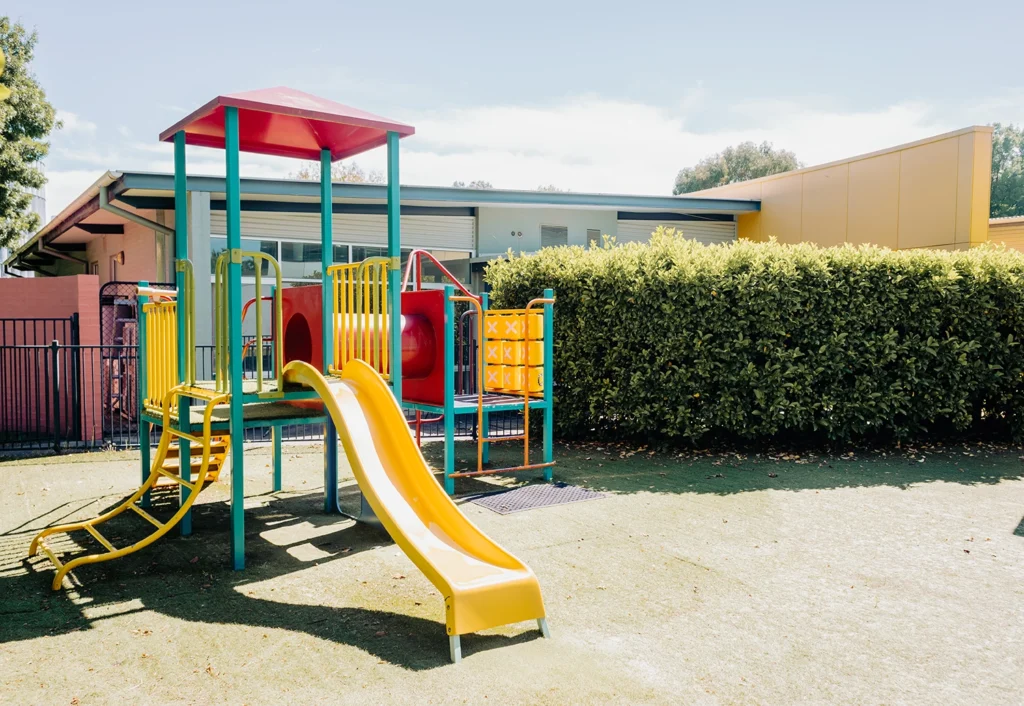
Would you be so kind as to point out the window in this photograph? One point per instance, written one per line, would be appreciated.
(220, 244)
(115, 263)
(594, 239)
(553, 236)
(94, 267)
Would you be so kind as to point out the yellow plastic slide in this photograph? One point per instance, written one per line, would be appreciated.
(483, 585)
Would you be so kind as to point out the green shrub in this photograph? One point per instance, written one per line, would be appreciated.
(677, 341)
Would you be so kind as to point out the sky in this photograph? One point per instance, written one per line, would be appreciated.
(588, 96)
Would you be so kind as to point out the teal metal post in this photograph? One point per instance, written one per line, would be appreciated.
(549, 382)
(234, 229)
(276, 431)
(327, 329)
(449, 389)
(180, 257)
(485, 301)
(145, 428)
(395, 269)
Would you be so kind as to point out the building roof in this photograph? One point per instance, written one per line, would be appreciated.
(144, 193)
(1006, 221)
(288, 123)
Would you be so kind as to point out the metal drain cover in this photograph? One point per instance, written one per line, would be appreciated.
(532, 496)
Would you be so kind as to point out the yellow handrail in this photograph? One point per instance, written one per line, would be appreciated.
(221, 320)
(359, 307)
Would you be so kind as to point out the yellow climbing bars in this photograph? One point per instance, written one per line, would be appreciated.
(161, 351)
(157, 472)
(360, 307)
(222, 316)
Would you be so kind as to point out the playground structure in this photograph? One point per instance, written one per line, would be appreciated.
(349, 354)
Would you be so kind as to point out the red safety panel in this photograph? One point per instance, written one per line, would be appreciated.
(427, 305)
(300, 308)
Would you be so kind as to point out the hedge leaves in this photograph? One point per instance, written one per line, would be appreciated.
(678, 341)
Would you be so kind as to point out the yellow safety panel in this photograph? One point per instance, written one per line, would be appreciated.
(492, 351)
(513, 377)
(494, 377)
(514, 353)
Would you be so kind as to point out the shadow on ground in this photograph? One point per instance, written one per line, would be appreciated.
(289, 532)
(153, 579)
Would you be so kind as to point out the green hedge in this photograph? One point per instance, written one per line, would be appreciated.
(677, 341)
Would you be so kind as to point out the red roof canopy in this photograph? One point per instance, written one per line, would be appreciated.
(288, 123)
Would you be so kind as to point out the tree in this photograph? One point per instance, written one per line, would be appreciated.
(552, 188)
(476, 184)
(26, 119)
(1007, 171)
(350, 173)
(740, 163)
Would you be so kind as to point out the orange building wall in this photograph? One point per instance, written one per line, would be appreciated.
(933, 193)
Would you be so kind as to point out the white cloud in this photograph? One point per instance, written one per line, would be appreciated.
(75, 124)
(587, 143)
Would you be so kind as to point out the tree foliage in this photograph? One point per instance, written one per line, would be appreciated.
(475, 184)
(26, 119)
(553, 189)
(740, 163)
(674, 341)
(350, 173)
(1007, 171)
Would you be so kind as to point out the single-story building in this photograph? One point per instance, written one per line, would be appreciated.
(1009, 231)
(122, 227)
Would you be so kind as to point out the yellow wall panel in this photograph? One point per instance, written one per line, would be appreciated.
(928, 193)
(928, 185)
(873, 210)
(782, 220)
(964, 188)
(982, 189)
(823, 220)
(748, 226)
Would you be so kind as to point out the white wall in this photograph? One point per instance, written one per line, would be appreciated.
(496, 225)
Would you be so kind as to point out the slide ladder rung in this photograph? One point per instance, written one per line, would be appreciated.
(100, 538)
(155, 522)
(176, 478)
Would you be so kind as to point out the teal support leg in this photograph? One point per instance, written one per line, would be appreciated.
(145, 428)
(234, 233)
(395, 268)
(184, 350)
(449, 389)
(276, 431)
(327, 328)
(549, 412)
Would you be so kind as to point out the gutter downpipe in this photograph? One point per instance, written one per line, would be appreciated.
(105, 205)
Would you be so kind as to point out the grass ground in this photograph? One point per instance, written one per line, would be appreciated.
(706, 579)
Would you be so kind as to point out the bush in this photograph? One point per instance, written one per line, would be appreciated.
(677, 341)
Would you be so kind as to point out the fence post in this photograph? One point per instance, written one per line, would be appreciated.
(75, 379)
(55, 374)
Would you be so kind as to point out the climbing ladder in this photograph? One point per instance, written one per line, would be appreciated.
(211, 450)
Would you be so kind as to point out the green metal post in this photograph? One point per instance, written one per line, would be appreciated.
(485, 301)
(276, 431)
(145, 428)
(549, 382)
(395, 270)
(449, 389)
(327, 329)
(180, 256)
(234, 318)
